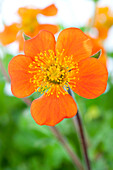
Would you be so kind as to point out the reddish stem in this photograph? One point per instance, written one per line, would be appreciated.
(83, 142)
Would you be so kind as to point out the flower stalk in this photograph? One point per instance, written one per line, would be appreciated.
(83, 142)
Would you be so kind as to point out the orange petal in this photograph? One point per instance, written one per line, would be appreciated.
(44, 41)
(103, 32)
(103, 58)
(9, 34)
(20, 40)
(92, 77)
(75, 43)
(52, 28)
(49, 11)
(96, 47)
(28, 12)
(20, 78)
(32, 12)
(50, 110)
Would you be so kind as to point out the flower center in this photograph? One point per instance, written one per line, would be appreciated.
(29, 24)
(55, 74)
(51, 72)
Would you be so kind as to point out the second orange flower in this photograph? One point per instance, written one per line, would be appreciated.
(28, 24)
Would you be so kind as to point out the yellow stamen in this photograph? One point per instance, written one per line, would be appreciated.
(50, 72)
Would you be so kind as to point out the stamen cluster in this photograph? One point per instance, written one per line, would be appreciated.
(53, 72)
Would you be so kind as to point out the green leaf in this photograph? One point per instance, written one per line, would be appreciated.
(26, 37)
(97, 55)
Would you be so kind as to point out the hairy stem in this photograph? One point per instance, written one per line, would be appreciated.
(54, 130)
(82, 136)
(83, 140)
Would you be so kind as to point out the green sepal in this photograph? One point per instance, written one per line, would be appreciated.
(97, 55)
(26, 37)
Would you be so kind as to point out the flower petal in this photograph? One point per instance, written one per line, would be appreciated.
(75, 43)
(52, 28)
(44, 41)
(103, 57)
(103, 32)
(51, 10)
(9, 34)
(93, 77)
(97, 45)
(20, 78)
(26, 13)
(20, 40)
(50, 110)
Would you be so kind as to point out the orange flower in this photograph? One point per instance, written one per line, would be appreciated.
(51, 67)
(28, 24)
(97, 45)
(9, 34)
(103, 21)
